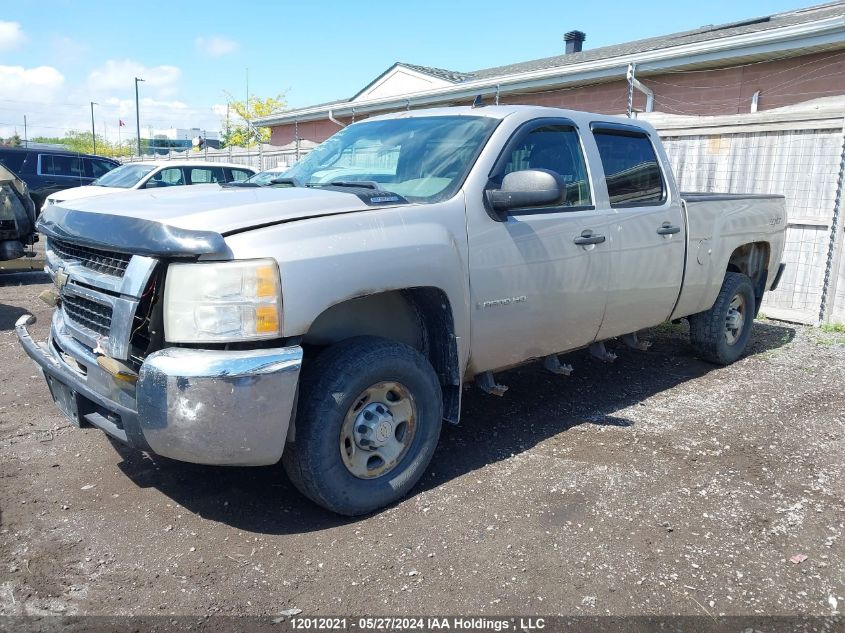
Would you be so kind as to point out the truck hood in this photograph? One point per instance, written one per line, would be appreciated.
(85, 191)
(220, 209)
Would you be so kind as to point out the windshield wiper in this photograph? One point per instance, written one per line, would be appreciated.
(226, 185)
(291, 182)
(362, 184)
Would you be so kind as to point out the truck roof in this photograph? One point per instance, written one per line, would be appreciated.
(503, 111)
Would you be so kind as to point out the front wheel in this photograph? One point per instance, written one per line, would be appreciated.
(721, 333)
(367, 424)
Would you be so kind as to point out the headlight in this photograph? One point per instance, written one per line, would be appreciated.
(221, 302)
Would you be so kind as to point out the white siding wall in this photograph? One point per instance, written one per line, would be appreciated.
(803, 165)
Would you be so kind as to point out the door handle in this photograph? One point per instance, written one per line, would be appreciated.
(588, 237)
(668, 229)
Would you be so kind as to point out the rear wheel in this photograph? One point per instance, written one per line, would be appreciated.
(721, 333)
(367, 424)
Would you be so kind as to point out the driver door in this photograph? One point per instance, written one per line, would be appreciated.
(535, 290)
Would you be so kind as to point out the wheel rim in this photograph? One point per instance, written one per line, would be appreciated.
(378, 430)
(735, 319)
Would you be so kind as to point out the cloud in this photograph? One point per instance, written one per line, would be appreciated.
(215, 46)
(156, 113)
(42, 83)
(11, 35)
(119, 76)
(54, 105)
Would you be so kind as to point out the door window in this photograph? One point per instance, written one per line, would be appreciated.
(61, 165)
(631, 169)
(202, 175)
(554, 148)
(172, 176)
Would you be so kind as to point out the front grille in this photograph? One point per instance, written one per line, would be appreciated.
(89, 314)
(108, 262)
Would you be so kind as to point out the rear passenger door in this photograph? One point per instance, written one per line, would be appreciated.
(647, 262)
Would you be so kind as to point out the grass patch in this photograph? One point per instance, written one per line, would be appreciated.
(829, 334)
(667, 327)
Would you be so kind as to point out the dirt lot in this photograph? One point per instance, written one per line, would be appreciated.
(655, 485)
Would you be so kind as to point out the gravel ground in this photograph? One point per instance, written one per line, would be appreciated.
(655, 485)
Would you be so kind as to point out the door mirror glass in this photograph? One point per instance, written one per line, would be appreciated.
(527, 188)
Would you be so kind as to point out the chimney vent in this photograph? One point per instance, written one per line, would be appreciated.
(574, 41)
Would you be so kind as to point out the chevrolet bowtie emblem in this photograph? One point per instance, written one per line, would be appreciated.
(61, 278)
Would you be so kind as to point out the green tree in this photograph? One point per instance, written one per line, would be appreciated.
(15, 140)
(80, 141)
(237, 128)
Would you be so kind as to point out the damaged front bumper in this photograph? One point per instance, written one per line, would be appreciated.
(207, 407)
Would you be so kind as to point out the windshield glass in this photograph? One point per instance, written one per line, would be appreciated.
(125, 176)
(263, 178)
(423, 159)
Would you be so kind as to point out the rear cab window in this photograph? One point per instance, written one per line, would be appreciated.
(631, 168)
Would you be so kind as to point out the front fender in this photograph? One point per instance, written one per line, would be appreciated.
(330, 259)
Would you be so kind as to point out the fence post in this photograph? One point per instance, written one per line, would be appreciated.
(834, 247)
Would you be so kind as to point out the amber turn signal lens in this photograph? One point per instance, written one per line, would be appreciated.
(266, 319)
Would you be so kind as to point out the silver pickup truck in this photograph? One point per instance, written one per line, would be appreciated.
(333, 319)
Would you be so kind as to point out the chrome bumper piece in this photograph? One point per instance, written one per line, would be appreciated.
(202, 406)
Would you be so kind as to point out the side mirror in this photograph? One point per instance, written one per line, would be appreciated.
(527, 188)
(153, 184)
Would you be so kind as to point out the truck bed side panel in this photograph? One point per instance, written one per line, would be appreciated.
(718, 224)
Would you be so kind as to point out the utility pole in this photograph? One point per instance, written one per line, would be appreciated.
(248, 127)
(93, 130)
(25, 137)
(137, 116)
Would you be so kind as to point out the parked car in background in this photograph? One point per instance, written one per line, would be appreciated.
(153, 174)
(47, 171)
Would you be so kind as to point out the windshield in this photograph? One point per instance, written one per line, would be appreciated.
(125, 176)
(423, 159)
(263, 178)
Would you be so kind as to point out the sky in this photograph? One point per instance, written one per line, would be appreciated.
(57, 56)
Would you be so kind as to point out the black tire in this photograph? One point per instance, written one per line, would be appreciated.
(708, 331)
(329, 389)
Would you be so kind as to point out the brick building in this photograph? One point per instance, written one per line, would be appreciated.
(754, 65)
